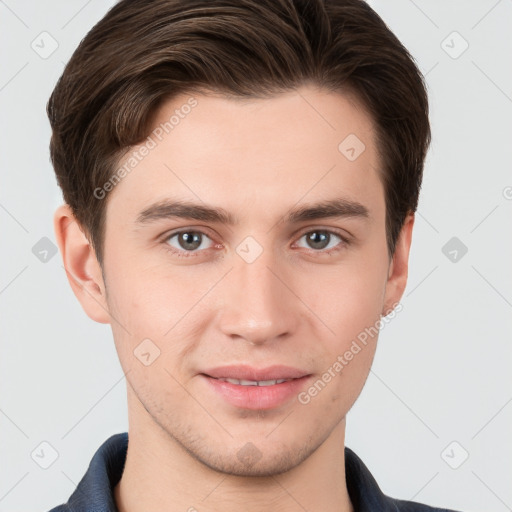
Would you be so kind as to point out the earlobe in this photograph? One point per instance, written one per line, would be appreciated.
(399, 267)
(81, 265)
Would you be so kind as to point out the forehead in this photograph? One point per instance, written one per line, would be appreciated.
(259, 151)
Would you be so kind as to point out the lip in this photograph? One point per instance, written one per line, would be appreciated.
(247, 372)
(256, 397)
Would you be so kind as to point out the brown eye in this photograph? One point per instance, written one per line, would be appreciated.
(189, 240)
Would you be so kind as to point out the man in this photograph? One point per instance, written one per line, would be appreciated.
(240, 180)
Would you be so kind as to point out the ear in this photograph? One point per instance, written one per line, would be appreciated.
(399, 266)
(81, 265)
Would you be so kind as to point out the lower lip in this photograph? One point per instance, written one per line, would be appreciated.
(257, 397)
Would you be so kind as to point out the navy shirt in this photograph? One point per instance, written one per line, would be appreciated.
(95, 492)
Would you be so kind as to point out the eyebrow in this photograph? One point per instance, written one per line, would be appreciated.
(168, 209)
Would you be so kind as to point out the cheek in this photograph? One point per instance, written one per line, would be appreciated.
(350, 306)
(349, 301)
(152, 301)
(159, 306)
(349, 298)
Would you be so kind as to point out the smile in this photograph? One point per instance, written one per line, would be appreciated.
(255, 382)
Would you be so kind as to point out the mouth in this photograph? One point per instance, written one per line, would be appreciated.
(258, 393)
(246, 375)
(253, 382)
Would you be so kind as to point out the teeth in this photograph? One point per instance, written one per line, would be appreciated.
(255, 382)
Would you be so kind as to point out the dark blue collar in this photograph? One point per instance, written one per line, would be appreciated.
(95, 492)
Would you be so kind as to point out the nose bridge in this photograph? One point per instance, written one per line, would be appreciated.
(257, 306)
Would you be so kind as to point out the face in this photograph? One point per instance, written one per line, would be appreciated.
(248, 236)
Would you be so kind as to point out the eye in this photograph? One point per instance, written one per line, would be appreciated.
(189, 241)
(324, 241)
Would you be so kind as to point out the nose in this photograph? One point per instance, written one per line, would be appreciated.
(258, 303)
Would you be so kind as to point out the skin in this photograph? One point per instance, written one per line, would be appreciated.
(293, 305)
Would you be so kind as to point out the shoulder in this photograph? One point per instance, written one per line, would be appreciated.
(95, 490)
(412, 506)
(366, 494)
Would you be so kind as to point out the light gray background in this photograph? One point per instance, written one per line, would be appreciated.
(442, 369)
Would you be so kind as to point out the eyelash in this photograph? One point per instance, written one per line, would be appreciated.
(192, 254)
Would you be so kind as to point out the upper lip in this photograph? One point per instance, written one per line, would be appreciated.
(245, 372)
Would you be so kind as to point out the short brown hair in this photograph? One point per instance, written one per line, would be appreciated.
(146, 51)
